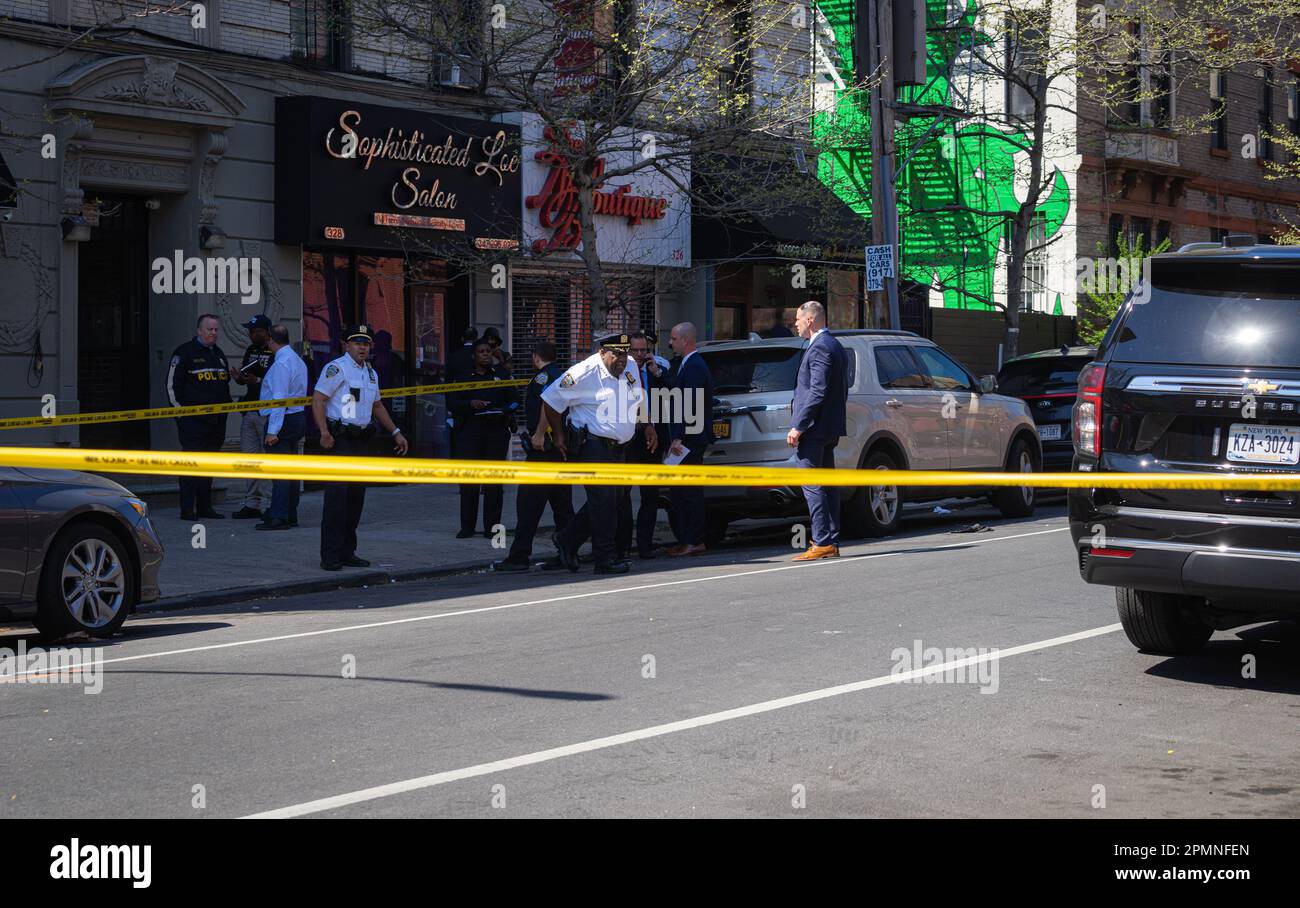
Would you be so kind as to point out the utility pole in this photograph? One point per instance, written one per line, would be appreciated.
(876, 19)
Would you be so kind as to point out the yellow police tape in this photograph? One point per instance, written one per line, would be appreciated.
(81, 419)
(414, 470)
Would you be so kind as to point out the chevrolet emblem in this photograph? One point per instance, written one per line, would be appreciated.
(1261, 386)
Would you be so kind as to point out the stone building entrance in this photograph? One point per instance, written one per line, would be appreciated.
(113, 322)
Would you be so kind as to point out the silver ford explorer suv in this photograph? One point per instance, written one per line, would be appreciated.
(911, 406)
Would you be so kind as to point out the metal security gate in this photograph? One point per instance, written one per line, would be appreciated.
(556, 306)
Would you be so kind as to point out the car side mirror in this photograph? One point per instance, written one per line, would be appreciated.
(988, 384)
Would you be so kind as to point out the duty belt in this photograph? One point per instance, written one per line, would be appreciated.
(611, 443)
(578, 436)
(348, 430)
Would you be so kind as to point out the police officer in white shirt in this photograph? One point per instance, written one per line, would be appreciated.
(604, 400)
(346, 406)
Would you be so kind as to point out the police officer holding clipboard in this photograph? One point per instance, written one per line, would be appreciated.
(603, 399)
(346, 406)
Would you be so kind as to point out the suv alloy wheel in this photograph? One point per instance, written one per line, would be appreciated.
(875, 510)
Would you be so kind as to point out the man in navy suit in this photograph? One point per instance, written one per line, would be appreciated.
(653, 378)
(817, 421)
(692, 437)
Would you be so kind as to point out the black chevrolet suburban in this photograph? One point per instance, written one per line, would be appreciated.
(1199, 372)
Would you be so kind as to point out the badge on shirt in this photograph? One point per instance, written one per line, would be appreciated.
(331, 371)
(631, 379)
(541, 378)
(567, 381)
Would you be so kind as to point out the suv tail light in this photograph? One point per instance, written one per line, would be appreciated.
(1087, 410)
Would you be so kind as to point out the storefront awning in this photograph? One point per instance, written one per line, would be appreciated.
(765, 210)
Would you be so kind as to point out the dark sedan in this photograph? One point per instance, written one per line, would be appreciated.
(77, 551)
(1048, 381)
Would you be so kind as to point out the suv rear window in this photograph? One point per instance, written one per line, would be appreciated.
(1229, 314)
(1041, 376)
(753, 369)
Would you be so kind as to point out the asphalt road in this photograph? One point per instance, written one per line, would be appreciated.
(737, 684)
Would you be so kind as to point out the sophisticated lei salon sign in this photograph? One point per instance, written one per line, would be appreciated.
(642, 218)
(372, 177)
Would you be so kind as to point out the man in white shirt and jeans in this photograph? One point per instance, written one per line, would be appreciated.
(285, 426)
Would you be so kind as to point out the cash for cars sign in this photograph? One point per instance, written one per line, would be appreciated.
(880, 265)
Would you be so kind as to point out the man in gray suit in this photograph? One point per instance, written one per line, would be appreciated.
(817, 421)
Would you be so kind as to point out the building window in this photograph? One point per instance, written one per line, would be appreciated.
(736, 75)
(1293, 110)
(1024, 73)
(623, 47)
(1265, 116)
(1127, 111)
(1113, 230)
(321, 33)
(1139, 231)
(1164, 231)
(1219, 106)
(1033, 284)
(457, 42)
(1162, 92)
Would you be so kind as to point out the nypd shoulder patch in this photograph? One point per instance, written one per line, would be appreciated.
(541, 378)
(331, 370)
(567, 381)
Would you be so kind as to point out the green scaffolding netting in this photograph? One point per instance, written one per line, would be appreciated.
(955, 175)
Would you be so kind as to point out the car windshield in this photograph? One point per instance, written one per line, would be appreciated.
(1058, 375)
(753, 369)
(1231, 314)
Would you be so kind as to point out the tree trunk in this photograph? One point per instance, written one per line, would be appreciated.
(599, 293)
(1015, 281)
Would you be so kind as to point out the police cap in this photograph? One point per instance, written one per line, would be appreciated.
(359, 333)
(619, 343)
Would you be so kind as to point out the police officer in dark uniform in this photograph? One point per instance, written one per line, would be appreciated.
(199, 374)
(603, 399)
(483, 418)
(460, 362)
(531, 500)
(346, 407)
(252, 424)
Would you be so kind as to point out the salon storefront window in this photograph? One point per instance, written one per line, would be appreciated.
(405, 304)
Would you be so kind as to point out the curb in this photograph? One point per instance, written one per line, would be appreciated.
(294, 588)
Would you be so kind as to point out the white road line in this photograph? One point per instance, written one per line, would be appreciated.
(656, 731)
(512, 605)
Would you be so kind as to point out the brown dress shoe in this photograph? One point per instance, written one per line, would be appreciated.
(817, 552)
(678, 551)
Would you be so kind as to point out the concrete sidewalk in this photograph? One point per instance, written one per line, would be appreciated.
(406, 533)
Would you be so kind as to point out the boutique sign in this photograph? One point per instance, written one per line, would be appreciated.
(642, 218)
(371, 177)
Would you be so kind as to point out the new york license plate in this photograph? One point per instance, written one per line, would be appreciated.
(1049, 432)
(722, 428)
(1263, 444)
